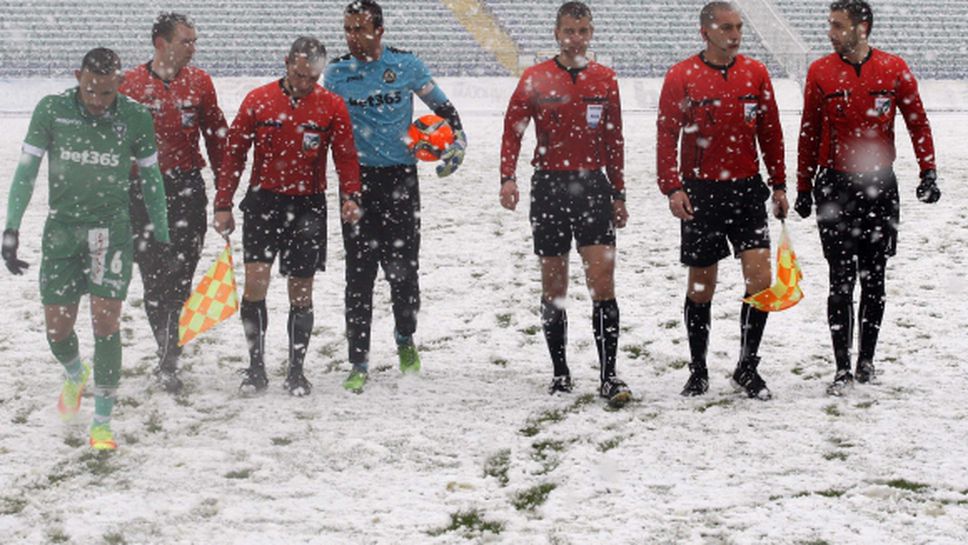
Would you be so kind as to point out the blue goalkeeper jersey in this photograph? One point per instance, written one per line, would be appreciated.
(379, 95)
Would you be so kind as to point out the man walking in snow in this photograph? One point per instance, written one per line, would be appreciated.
(90, 135)
(183, 105)
(715, 107)
(845, 166)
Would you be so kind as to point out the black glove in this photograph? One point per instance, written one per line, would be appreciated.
(804, 204)
(11, 241)
(928, 191)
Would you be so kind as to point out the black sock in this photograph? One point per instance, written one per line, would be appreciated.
(254, 321)
(752, 322)
(698, 322)
(554, 321)
(871, 312)
(605, 322)
(840, 318)
(300, 327)
(170, 351)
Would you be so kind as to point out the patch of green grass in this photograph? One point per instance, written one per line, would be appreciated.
(635, 351)
(129, 402)
(797, 370)
(531, 330)
(724, 402)
(153, 424)
(470, 524)
(814, 542)
(679, 364)
(670, 324)
(546, 417)
(21, 416)
(609, 444)
(544, 449)
(74, 441)
(500, 362)
(842, 456)
(830, 493)
(239, 474)
(99, 463)
(866, 404)
(529, 499)
(57, 535)
(840, 442)
(832, 410)
(281, 441)
(497, 466)
(12, 506)
(504, 320)
(115, 538)
(904, 484)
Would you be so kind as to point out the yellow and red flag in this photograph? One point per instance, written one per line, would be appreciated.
(785, 292)
(213, 300)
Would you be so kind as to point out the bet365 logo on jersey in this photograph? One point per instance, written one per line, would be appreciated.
(91, 157)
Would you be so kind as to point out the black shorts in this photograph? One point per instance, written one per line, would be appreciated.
(724, 211)
(566, 205)
(292, 226)
(857, 214)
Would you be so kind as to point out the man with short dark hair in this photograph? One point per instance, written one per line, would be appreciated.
(292, 122)
(91, 134)
(378, 84)
(578, 123)
(183, 104)
(845, 164)
(721, 105)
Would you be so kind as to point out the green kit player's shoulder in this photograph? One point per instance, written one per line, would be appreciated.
(132, 110)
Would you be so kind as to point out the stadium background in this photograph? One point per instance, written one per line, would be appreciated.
(641, 38)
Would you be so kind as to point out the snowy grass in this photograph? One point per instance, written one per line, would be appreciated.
(473, 450)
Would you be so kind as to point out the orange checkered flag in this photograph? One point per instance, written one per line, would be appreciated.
(785, 292)
(213, 300)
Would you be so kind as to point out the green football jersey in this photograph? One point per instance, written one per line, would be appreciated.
(90, 158)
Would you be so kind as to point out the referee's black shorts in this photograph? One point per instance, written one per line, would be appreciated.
(857, 214)
(290, 226)
(725, 213)
(570, 204)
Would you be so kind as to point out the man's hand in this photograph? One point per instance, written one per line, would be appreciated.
(350, 212)
(453, 156)
(620, 215)
(680, 205)
(804, 204)
(780, 204)
(928, 191)
(510, 195)
(223, 222)
(11, 241)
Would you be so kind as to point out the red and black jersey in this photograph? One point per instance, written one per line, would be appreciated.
(291, 137)
(181, 108)
(721, 113)
(848, 116)
(577, 119)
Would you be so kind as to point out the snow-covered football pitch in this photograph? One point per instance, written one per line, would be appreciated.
(473, 449)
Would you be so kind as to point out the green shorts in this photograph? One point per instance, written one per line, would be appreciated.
(84, 258)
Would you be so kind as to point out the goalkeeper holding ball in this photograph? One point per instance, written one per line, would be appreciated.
(378, 84)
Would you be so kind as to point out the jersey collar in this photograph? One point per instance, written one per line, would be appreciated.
(724, 70)
(857, 67)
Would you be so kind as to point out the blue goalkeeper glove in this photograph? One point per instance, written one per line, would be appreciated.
(453, 156)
